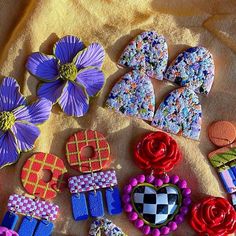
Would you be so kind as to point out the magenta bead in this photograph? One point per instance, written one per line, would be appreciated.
(186, 192)
(158, 182)
(166, 179)
(179, 219)
(138, 223)
(146, 229)
(182, 183)
(184, 210)
(165, 230)
(172, 225)
(150, 179)
(133, 182)
(141, 178)
(127, 189)
(187, 201)
(133, 216)
(128, 208)
(156, 232)
(126, 198)
(174, 179)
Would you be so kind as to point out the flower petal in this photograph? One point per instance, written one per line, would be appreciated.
(26, 135)
(74, 101)
(42, 66)
(92, 79)
(93, 55)
(36, 113)
(67, 48)
(10, 96)
(8, 149)
(51, 91)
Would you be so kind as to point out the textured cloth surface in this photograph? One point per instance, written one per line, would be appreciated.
(28, 26)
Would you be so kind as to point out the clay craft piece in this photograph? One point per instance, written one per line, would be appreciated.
(180, 113)
(71, 75)
(222, 133)
(193, 68)
(224, 160)
(154, 202)
(33, 182)
(100, 151)
(148, 52)
(133, 95)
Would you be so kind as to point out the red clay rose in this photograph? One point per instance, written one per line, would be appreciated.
(157, 151)
(213, 216)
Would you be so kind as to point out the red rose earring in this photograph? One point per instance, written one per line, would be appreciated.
(156, 203)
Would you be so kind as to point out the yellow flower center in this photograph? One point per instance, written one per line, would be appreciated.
(68, 71)
(7, 120)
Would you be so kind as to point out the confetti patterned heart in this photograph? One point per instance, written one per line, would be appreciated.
(156, 205)
(133, 95)
(180, 113)
(147, 51)
(193, 68)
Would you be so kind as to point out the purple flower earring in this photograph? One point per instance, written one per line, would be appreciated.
(71, 75)
(18, 130)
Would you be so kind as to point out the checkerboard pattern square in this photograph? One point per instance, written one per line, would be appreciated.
(88, 182)
(26, 206)
(156, 207)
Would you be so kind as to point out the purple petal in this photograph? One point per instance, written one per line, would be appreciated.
(42, 66)
(26, 135)
(36, 113)
(67, 48)
(92, 79)
(8, 149)
(93, 55)
(51, 91)
(74, 101)
(10, 96)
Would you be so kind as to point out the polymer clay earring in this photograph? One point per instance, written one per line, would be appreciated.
(155, 202)
(38, 216)
(102, 225)
(33, 182)
(93, 179)
(180, 112)
(133, 94)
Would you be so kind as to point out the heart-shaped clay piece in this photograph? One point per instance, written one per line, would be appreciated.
(193, 68)
(180, 113)
(133, 95)
(148, 51)
(156, 206)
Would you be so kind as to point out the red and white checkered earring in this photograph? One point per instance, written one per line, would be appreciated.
(89, 152)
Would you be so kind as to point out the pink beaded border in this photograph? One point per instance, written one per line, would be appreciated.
(157, 182)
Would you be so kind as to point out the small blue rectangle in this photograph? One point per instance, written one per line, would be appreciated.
(44, 228)
(96, 207)
(79, 207)
(27, 226)
(113, 201)
(10, 220)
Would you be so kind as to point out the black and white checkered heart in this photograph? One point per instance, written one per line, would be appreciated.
(156, 206)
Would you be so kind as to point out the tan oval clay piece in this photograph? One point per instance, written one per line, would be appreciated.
(222, 133)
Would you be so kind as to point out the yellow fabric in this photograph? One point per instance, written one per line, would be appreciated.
(28, 26)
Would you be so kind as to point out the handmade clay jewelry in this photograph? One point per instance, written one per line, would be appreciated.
(38, 216)
(34, 184)
(92, 182)
(180, 113)
(133, 95)
(102, 225)
(148, 52)
(213, 216)
(155, 202)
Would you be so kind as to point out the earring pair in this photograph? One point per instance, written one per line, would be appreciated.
(133, 95)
